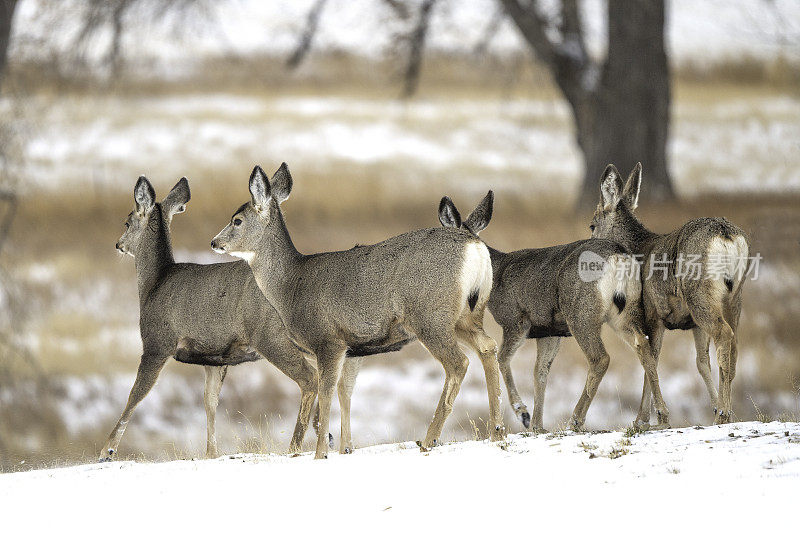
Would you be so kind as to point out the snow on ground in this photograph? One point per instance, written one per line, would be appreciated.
(525, 145)
(742, 475)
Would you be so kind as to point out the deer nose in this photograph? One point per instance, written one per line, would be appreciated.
(214, 244)
(116, 246)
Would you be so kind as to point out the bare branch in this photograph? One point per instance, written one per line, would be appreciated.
(399, 8)
(304, 44)
(8, 217)
(416, 48)
(491, 30)
(567, 59)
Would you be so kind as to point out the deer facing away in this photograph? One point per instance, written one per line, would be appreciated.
(708, 304)
(538, 293)
(431, 284)
(212, 315)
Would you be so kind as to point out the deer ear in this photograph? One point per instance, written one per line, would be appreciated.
(282, 183)
(259, 189)
(448, 214)
(480, 217)
(632, 187)
(178, 197)
(144, 196)
(610, 188)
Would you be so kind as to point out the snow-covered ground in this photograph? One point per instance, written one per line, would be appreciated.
(739, 476)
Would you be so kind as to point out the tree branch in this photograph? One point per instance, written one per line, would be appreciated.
(304, 44)
(490, 31)
(416, 48)
(568, 61)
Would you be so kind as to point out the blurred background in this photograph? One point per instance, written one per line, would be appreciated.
(379, 107)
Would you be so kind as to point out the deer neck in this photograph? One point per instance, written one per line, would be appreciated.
(275, 265)
(154, 254)
(630, 232)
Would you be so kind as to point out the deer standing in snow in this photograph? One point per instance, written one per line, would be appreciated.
(432, 284)
(708, 304)
(211, 315)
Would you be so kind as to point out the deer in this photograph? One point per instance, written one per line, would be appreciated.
(541, 293)
(211, 315)
(708, 304)
(429, 284)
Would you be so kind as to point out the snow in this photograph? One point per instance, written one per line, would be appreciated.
(742, 475)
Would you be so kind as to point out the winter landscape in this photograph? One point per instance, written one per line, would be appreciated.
(202, 89)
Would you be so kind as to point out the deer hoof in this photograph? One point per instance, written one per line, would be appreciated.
(330, 441)
(347, 451)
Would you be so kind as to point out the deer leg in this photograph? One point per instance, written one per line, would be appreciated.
(701, 345)
(637, 340)
(330, 366)
(710, 319)
(475, 337)
(513, 338)
(646, 404)
(292, 362)
(347, 383)
(455, 365)
(592, 346)
(149, 369)
(546, 351)
(214, 378)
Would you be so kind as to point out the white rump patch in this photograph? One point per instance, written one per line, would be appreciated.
(727, 259)
(476, 273)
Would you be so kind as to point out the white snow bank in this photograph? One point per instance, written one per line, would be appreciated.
(742, 475)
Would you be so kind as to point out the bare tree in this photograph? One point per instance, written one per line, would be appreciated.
(620, 105)
(7, 9)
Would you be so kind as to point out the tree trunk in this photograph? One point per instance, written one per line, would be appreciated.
(627, 120)
(7, 8)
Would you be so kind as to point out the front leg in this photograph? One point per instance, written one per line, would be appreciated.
(329, 362)
(347, 383)
(513, 338)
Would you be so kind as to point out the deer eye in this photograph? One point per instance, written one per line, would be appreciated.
(591, 227)
(237, 222)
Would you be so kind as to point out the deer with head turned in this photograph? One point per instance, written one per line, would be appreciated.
(707, 301)
(211, 315)
(540, 293)
(432, 284)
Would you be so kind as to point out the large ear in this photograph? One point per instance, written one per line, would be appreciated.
(144, 196)
(610, 188)
(448, 214)
(631, 191)
(259, 189)
(282, 183)
(480, 217)
(178, 197)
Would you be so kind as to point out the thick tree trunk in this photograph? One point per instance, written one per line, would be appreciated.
(7, 8)
(628, 117)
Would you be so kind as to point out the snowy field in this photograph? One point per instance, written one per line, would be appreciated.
(741, 476)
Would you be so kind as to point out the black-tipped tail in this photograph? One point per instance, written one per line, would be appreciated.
(472, 300)
(619, 301)
(728, 283)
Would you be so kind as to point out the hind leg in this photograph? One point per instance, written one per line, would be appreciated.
(636, 339)
(287, 358)
(347, 383)
(546, 351)
(646, 405)
(592, 345)
(214, 378)
(455, 363)
(475, 337)
(149, 368)
(701, 345)
(513, 338)
(710, 318)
